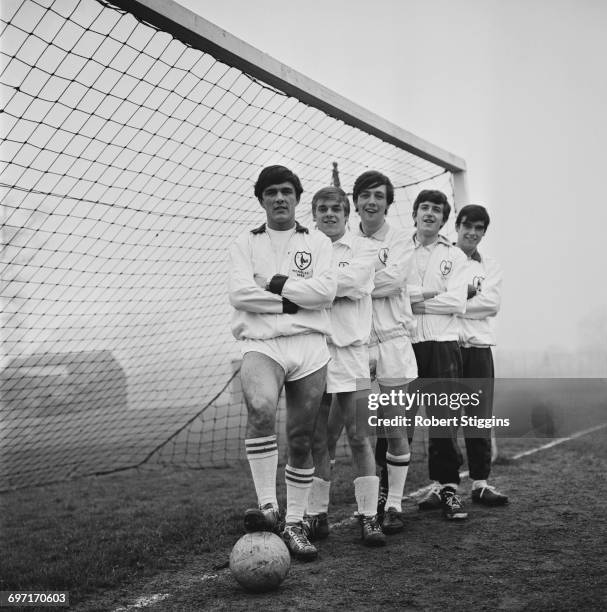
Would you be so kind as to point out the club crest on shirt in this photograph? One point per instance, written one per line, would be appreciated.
(445, 266)
(477, 283)
(303, 259)
(383, 254)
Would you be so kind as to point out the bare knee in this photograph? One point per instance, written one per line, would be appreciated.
(300, 447)
(261, 419)
(261, 379)
(358, 442)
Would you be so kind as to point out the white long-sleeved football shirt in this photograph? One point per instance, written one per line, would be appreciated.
(440, 266)
(351, 312)
(392, 316)
(311, 284)
(476, 325)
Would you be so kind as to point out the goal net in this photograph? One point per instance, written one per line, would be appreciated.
(130, 146)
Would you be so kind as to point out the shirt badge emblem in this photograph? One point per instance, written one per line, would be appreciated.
(303, 259)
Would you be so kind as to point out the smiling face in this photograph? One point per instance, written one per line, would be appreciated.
(469, 234)
(372, 206)
(279, 202)
(331, 218)
(428, 219)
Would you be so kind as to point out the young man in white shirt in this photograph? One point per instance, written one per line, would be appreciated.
(391, 354)
(348, 371)
(281, 284)
(437, 289)
(476, 337)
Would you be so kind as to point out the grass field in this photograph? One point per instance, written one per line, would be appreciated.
(167, 535)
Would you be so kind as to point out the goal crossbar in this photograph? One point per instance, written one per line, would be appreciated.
(201, 34)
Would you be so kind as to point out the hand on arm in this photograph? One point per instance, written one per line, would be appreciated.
(420, 307)
(260, 280)
(275, 285)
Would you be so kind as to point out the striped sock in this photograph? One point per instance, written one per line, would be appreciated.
(318, 500)
(366, 490)
(398, 466)
(299, 481)
(262, 454)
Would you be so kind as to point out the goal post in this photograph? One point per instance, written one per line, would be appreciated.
(132, 134)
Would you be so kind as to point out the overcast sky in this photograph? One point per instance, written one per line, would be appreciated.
(517, 88)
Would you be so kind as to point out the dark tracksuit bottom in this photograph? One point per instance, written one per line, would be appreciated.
(478, 363)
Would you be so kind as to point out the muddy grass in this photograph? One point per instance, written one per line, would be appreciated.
(544, 551)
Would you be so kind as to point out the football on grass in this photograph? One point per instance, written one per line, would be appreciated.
(260, 561)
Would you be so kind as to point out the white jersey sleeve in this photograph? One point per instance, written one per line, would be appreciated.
(487, 302)
(244, 293)
(356, 279)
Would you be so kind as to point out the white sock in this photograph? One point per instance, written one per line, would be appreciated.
(478, 484)
(318, 500)
(299, 481)
(366, 491)
(262, 454)
(398, 466)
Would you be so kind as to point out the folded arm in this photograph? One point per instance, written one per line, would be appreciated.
(244, 291)
(356, 279)
(313, 293)
(453, 299)
(391, 278)
(487, 302)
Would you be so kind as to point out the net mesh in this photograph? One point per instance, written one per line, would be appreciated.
(127, 167)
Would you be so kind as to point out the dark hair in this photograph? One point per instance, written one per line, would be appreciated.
(331, 194)
(370, 179)
(472, 213)
(274, 175)
(436, 197)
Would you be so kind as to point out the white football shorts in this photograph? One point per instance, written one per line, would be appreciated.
(393, 361)
(348, 369)
(298, 355)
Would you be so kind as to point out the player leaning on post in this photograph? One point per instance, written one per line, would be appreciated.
(437, 288)
(348, 370)
(476, 337)
(281, 283)
(390, 344)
